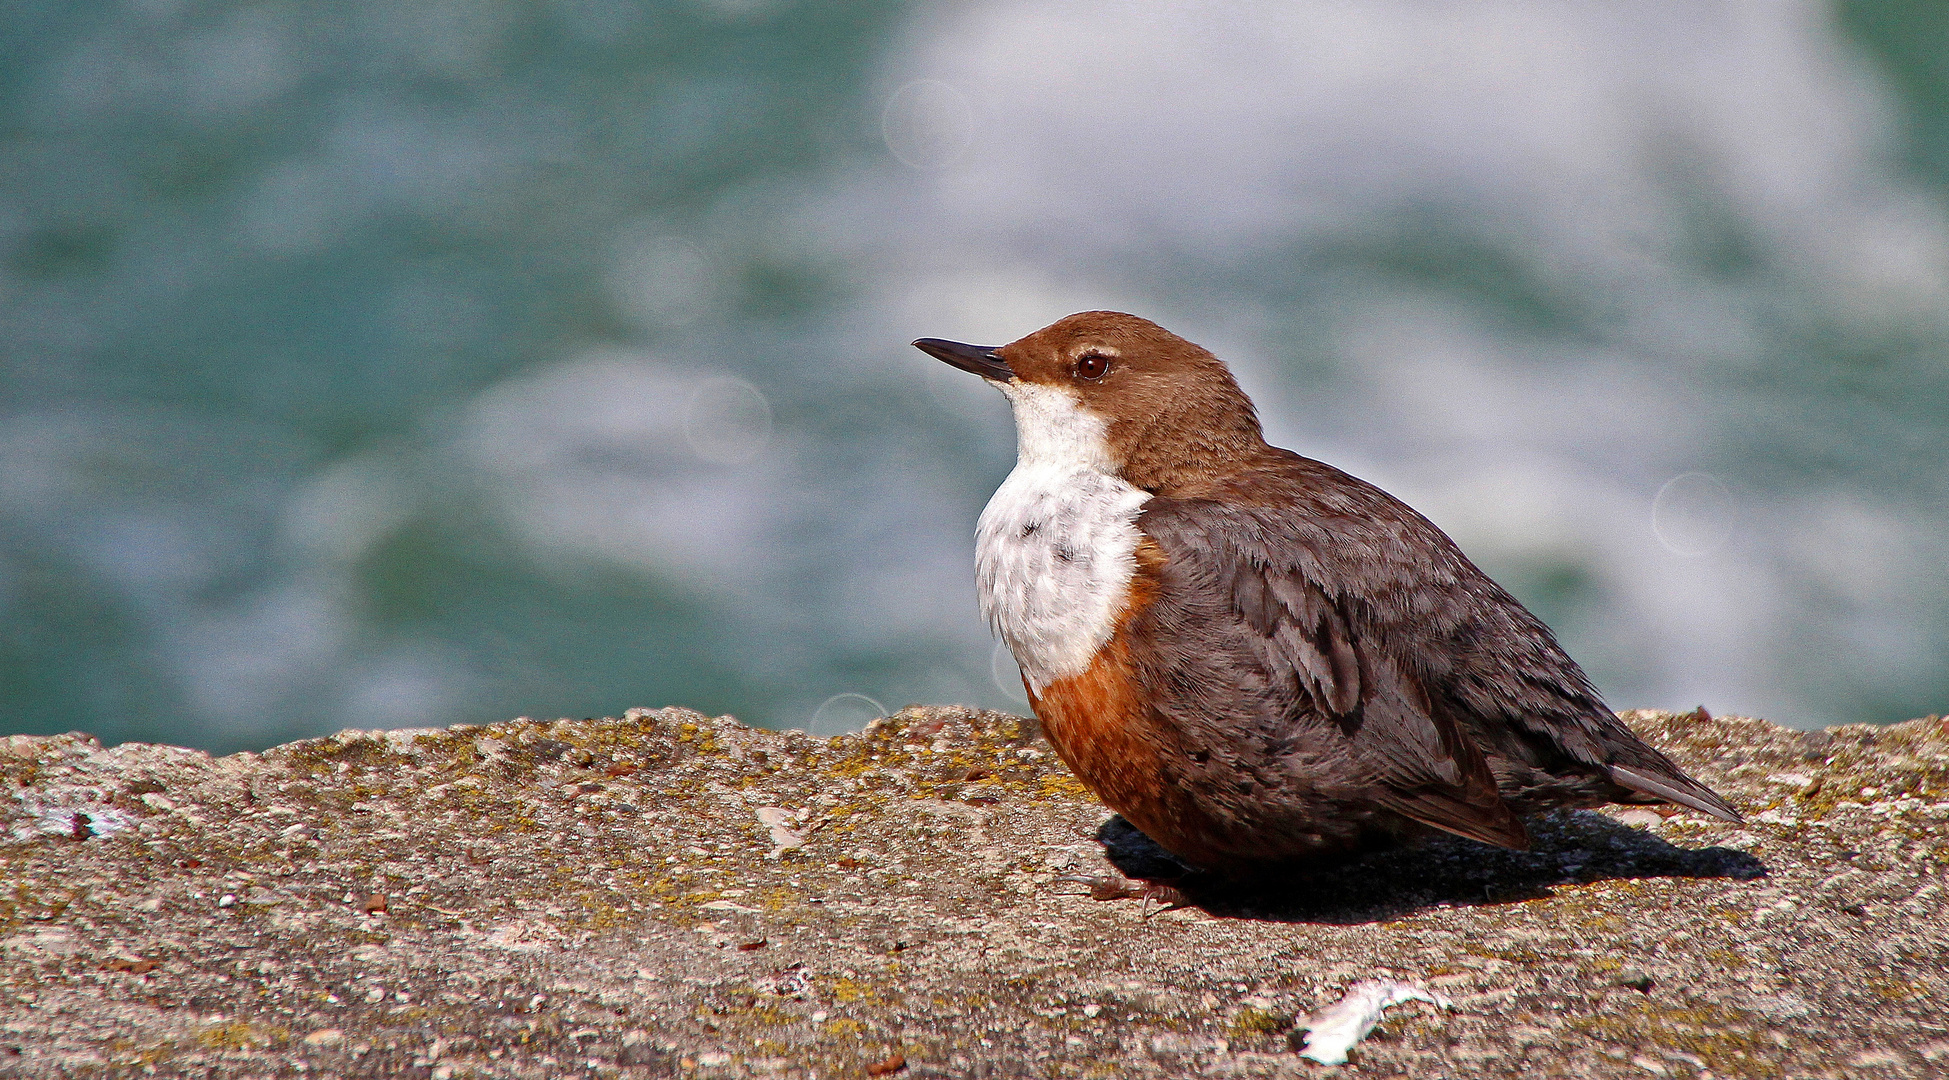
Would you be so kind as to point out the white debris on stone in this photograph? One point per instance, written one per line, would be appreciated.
(69, 813)
(793, 982)
(404, 740)
(783, 837)
(1332, 1031)
(1639, 818)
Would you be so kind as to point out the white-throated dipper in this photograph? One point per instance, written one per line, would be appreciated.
(1253, 656)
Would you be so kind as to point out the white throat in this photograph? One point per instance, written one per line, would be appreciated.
(1053, 428)
(1056, 547)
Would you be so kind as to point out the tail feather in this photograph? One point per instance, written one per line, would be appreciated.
(1677, 788)
(1491, 822)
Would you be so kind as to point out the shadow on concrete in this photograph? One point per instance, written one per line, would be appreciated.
(1568, 848)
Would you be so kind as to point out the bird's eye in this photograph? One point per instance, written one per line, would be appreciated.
(1092, 366)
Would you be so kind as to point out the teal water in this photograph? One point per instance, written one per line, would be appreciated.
(424, 362)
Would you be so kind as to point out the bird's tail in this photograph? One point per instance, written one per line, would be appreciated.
(1674, 786)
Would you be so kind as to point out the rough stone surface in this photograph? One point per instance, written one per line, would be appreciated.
(672, 895)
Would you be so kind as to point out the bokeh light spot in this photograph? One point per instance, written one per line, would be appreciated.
(1692, 514)
(1006, 674)
(728, 421)
(927, 124)
(842, 713)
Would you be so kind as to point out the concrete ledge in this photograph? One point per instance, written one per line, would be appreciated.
(668, 894)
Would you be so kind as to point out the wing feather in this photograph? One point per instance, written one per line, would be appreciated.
(1299, 670)
(1337, 580)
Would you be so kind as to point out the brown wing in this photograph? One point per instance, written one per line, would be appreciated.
(1252, 652)
(1470, 659)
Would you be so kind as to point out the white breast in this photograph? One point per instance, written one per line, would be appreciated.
(1056, 548)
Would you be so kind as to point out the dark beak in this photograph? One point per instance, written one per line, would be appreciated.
(983, 360)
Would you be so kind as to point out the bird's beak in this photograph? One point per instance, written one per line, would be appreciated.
(985, 361)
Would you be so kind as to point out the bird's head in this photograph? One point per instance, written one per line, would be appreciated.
(1119, 394)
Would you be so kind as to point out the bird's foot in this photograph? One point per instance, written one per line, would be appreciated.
(1114, 886)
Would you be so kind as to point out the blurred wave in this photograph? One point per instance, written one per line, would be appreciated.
(1529, 267)
(421, 362)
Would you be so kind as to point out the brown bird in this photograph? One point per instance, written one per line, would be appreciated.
(1253, 656)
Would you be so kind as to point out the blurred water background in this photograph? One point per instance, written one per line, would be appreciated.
(425, 361)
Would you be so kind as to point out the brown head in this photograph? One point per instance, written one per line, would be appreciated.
(1169, 412)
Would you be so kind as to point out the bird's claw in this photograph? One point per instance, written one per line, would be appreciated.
(1118, 887)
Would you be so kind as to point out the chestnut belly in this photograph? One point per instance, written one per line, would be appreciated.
(1196, 803)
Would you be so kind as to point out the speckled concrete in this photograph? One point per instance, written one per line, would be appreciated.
(668, 894)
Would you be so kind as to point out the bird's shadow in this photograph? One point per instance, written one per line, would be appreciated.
(1567, 848)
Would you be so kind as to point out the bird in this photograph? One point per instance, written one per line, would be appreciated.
(1253, 657)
